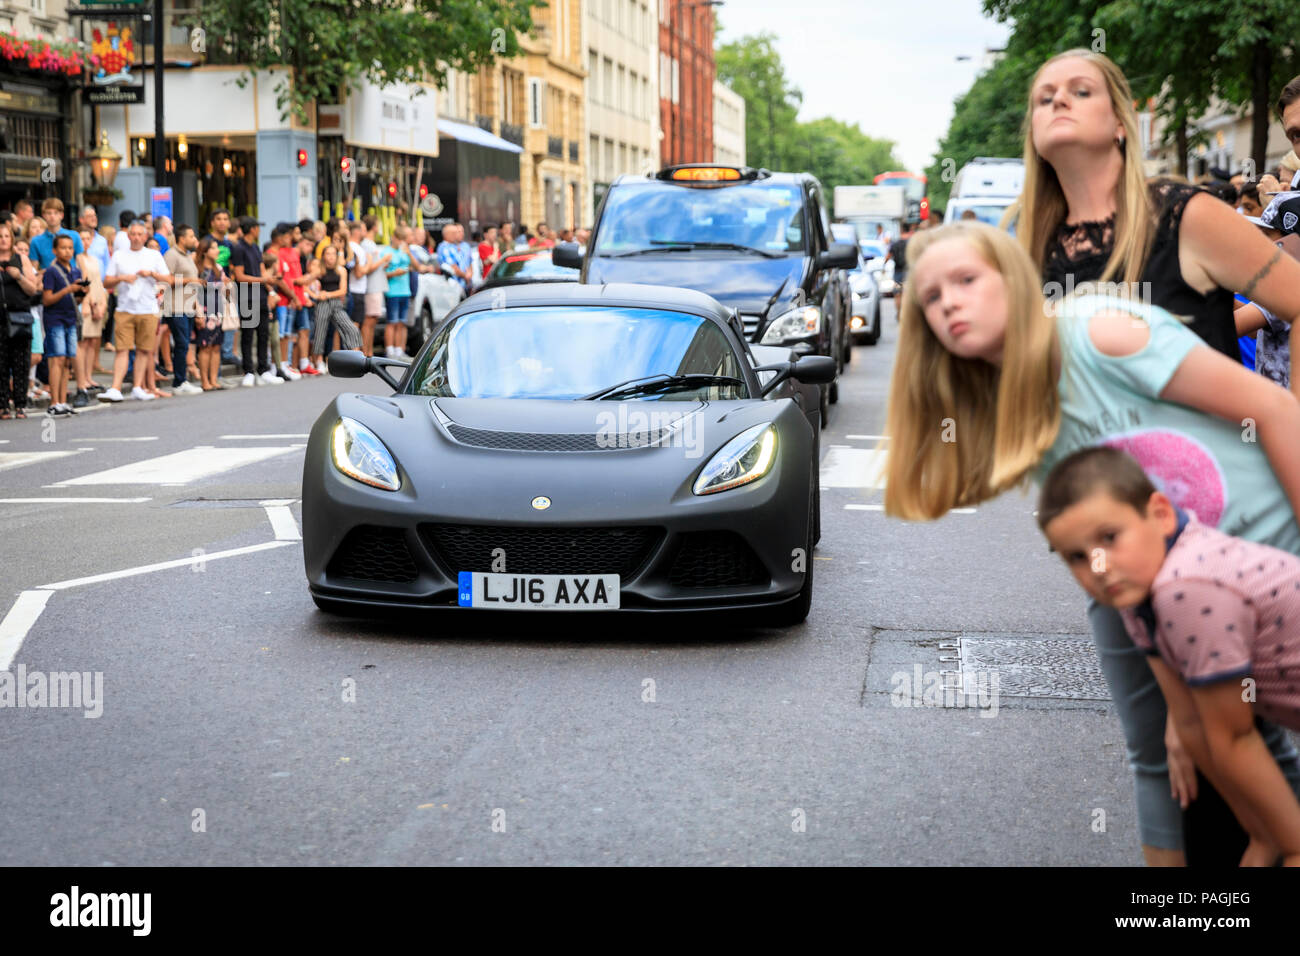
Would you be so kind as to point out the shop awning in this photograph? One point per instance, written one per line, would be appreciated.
(473, 134)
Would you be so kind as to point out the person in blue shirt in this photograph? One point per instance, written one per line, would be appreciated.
(452, 257)
(42, 247)
(63, 287)
(89, 219)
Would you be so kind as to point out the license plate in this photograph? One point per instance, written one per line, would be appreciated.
(538, 592)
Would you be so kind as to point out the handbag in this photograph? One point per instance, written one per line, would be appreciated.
(18, 322)
(229, 313)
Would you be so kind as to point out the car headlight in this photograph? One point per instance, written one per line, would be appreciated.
(857, 296)
(359, 454)
(805, 320)
(745, 458)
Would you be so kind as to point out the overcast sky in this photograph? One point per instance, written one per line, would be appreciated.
(889, 67)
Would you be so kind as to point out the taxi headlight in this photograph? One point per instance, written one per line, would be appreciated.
(803, 321)
(359, 454)
(745, 458)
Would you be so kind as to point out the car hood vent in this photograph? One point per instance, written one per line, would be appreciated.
(553, 426)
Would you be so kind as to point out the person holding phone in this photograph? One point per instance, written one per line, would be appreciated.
(63, 286)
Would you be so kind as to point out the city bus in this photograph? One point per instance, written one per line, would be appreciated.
(914, 186)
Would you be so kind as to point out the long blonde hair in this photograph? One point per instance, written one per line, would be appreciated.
(960, 430)
(1042, 207)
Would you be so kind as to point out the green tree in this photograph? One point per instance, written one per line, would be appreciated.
(840, 154)
(331, 42)
(752, 68)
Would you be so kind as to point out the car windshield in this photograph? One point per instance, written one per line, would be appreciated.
(637, 216)
(566, 353)
(530, 265)
(992, 215)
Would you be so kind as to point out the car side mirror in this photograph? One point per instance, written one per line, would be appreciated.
(841, 255)
(814, 370)
(353, 363)
(567, 255)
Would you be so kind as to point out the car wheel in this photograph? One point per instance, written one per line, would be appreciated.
(872, 337)
(835, 391)
(796, 611)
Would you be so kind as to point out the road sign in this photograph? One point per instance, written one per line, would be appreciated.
(160, 201)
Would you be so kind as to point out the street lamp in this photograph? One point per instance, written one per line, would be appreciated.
(679, 150)
(104, 162)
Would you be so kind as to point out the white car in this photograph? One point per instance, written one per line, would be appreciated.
(436, 294)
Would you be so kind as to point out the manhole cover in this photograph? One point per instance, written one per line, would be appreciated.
(1034, 667)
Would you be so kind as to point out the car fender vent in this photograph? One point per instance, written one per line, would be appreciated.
(715, 559)
(541, 550)
(537, 441)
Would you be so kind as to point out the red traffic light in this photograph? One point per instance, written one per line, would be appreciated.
(345, 165)
(925, 207)
(392, 189)
(302, 157)
(424, 190)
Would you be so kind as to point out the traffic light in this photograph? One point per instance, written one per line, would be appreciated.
(392, 190)
(925, 207)
(302, 158)
(424, 190)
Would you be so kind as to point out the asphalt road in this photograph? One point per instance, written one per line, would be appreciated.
(239, 725)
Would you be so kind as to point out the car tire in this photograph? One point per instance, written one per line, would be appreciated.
(835, 391)
(872, 337)
(796, 610)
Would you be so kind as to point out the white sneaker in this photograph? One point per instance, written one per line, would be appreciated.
(140, 395)
(110, 395)
(269, 378)
(187, 388)
(248, 381)
(293, 376)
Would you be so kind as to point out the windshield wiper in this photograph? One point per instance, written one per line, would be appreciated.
(662, 247)
(662, 382)
(738, 247)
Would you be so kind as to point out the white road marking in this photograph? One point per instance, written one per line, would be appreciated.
(282, 523)
(162, 566)
(93, 439)
(854, 468)
(19, 620)
(241, 437)
(4, 441)
(179, 468)
(62, 501)
(16, 459)
(867, 437)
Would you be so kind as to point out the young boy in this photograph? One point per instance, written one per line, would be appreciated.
(63, 289)
(1218, 617)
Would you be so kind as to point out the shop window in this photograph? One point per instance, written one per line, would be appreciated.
(536, 102)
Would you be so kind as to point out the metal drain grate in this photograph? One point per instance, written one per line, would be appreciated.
(1034, 667)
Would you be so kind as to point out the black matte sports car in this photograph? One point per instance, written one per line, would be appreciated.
(571, 447)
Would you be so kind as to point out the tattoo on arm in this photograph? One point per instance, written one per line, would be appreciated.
(1250, 286)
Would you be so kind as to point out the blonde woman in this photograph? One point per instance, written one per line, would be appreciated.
(1087, 212)
(1024, 384)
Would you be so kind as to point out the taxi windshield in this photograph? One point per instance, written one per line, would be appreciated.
(647, 216)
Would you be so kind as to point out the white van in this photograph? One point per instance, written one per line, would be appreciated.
(986, 186)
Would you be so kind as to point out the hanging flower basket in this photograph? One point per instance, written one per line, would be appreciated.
(102, 195)
(41, 55)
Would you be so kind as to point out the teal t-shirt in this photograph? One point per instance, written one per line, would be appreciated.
(399, 287)
(1217, 469)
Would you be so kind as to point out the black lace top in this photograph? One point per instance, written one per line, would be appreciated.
(1081, 250)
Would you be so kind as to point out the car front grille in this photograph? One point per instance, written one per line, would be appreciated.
(715, 559)
(564, 550)
(538, 441)
(371, 553)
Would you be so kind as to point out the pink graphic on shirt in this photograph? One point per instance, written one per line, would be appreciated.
(1181, 467)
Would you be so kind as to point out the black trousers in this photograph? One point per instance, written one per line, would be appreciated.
(15, 360)
(255, 325)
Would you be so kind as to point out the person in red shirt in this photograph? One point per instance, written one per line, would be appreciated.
(294, 288)
(487, 249)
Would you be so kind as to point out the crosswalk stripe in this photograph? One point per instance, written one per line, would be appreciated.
(16, 459)
(854, 468)
(179, 468)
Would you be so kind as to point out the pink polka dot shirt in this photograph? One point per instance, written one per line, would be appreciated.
(1224, 610)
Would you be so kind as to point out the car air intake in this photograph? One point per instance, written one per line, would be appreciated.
(716, 559)
(538, 441)
(565, 550)
(371, 553)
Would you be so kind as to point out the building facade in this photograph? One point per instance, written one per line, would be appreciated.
(686, 75)
(40, 104)
(728, 126)
(1226, 142)
(623, 133)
